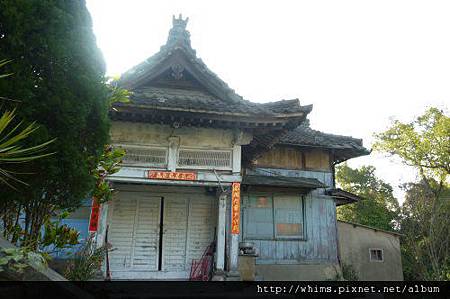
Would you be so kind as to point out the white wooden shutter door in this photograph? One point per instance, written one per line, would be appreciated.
(134, 232)
(120, 233)
(201, 227)
(146, 234)
(174, 238)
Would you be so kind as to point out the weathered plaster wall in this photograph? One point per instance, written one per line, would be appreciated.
(304, 272)
(154, 134)
(354, 244)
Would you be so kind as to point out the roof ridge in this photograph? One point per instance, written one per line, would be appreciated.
(178, 50)
(179, 39)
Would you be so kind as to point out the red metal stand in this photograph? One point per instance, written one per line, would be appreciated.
(201, 269)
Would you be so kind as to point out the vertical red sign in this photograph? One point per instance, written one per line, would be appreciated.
(95, 215)
(235, 207)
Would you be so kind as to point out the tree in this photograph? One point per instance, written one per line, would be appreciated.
(59, 81)
(426, 241)
(424, 144)
(378, 207)
(11, 150)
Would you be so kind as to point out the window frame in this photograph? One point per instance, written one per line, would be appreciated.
(274, 236)
(376, 260)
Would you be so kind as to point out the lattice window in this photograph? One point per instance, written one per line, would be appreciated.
(209, 159)
(144, 156)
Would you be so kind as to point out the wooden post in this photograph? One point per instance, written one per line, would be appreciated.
(235, 230)
(100, 237)
(174, 143)
(234, 252)
(237, 159)
(101, 232)
(220, 251)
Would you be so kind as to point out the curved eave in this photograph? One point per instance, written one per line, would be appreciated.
(343, 197)
(207, 119)
(341, 154)
(304, 111)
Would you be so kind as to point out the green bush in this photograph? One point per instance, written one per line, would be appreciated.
(86, 262)
(349, 273)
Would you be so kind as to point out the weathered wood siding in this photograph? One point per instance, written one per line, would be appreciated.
(319, 244)
(281, 157)
(295, 158)
(316, 159)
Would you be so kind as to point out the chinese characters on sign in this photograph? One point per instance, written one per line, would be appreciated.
(235, 207)
(168, 175)
(95, 215)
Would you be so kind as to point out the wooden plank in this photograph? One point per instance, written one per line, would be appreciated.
(281, 157)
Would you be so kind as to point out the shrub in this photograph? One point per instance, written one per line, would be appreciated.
(86, 262)
(349, 273)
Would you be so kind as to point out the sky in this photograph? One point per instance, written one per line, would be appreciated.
(361, 64)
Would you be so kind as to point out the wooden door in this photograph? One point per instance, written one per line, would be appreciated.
(174, 234)
(134, 232)
(189, 223)
(202, 222)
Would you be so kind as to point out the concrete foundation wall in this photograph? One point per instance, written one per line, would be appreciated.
(302, 272)
(354, 244)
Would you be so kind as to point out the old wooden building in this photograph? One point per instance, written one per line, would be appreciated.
(205, 166)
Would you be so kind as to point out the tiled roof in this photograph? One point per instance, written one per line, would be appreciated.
(345, 146)
(198, 100)
(219, 97)
(167, 51)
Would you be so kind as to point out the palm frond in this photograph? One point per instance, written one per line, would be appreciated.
(12, 150)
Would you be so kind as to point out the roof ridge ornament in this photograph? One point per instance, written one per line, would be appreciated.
(178, 34)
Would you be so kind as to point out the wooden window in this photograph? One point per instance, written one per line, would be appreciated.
(144, 156)
(288, 213)
(205, 159)
(272, 217)
(258, 219)
(376, 255)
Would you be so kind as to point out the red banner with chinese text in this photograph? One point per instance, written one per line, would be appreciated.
(170, 175)
(95, 216)
(235, 207)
